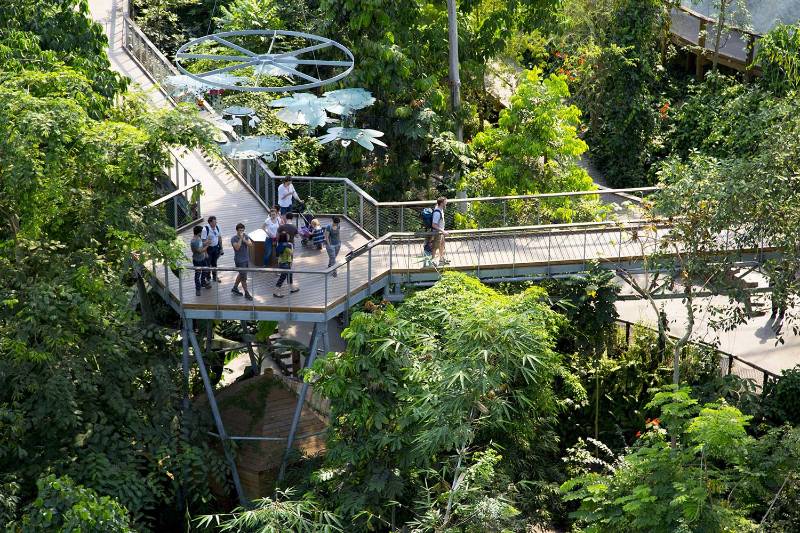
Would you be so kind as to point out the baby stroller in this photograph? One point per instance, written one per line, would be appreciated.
(304, 226)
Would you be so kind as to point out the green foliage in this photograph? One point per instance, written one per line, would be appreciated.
(782, 398)
(248, 15)
(617, 76)
(534, 148)
(276, 515)
(779, 58)
(61, 505)
(656, 487)
(86, 390)
(455, 367)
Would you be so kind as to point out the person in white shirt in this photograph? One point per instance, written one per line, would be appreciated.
(270, 226)
(286, 194)
(211, 233)
(438, 230)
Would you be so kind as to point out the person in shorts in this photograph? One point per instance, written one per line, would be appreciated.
(241, 259)
(211, 233)
(438, 230)
(286, 194)
(199, 260)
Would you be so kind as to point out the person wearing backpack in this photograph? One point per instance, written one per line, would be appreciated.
(285, 253)
(211, 233)
(333, 242)
(199, 260)
(439, 233)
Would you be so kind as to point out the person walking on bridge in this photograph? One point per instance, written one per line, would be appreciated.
(286, 194)
(200, 260)
(333, 241)
(439, 232)
(241, 259)
(211, 233)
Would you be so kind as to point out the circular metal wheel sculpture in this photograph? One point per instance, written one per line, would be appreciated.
(277, 54)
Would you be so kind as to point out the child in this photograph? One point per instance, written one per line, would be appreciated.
(317, 234)
(285, 253)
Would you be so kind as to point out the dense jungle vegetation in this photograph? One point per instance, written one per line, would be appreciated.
(463, 408)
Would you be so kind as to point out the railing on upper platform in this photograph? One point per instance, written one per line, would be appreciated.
(737, 48)
(181, 207)
(728, 363)
(340, 195)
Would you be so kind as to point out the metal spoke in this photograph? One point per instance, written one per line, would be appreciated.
(236, 47)
(230, 68)
(212, 57)
(296, 72)
(304, 50)
(319, 62)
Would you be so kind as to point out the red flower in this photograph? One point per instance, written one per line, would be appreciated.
(638, 434)
(663, 110)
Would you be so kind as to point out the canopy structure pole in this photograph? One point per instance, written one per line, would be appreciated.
(248, 339)
(312, 355)
(198, 354)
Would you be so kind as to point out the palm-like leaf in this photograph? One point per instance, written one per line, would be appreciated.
(253, 147)
(183, 85)
(301, 108)
(365, 137)
(346, 101)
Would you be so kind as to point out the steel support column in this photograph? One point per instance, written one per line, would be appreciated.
(319, 333)
(212, 402)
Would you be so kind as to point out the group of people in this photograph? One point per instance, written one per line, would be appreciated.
(206, 246)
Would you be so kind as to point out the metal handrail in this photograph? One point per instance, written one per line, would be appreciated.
(767, 375)
(706, 18)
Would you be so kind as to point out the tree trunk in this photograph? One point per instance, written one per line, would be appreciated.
(455, 88)
(676, 354)
(723, 5)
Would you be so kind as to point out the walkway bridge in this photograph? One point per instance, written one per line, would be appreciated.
(510, 237)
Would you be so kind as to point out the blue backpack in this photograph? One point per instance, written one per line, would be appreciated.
(427, 217)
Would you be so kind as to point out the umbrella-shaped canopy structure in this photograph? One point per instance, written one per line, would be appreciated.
(221, 127)
(365, 137)
(182, 85)
(254, 147)
(347, 101)
(301, 108)
(237, 111)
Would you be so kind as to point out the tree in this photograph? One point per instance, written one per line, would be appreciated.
(656, 488)
(61, 505)
(420, 393)
(86, 390)
(718, 478)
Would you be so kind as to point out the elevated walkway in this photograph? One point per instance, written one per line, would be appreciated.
(383, 248)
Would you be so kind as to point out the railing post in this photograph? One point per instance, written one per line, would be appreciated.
(175, 212)
(627, 333)
(402, 222)
(619, 253)
(377, 221)
(347, 296)
(369, 271)
(479, 257)
(505, 207)
(344, 186)
(361, 211)
(730, 363)
(549, 241)
(585, 235)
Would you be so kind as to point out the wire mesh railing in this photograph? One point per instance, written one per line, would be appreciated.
(728, 363)
(181, 206)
